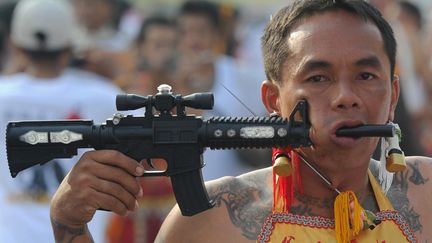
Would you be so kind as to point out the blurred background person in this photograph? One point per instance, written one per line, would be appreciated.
(105, 39)
(42, 33)
(198, 62)
(100, 20)
(156, 47)
(153, 54)
(201, 68)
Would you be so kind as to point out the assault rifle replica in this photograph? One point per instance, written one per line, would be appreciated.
(178, 138)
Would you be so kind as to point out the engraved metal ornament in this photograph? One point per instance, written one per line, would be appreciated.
(65, 137)
(33, 137)
(257, 132)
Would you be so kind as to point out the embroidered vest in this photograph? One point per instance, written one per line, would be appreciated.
(291, 228)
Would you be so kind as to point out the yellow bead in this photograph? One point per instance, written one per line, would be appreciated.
(282, 166)
(395, 162)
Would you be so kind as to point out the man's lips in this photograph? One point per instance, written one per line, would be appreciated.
(344, 141)
(345, 124)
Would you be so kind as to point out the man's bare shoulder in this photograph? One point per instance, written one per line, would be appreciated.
(258, 179)
(419, 177)
(419, 162)
(241, 205)
(418, 173)
(247, 199)
(411, 193)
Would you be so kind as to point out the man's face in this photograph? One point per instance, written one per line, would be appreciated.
(159, 45)
(338, 63)
(93, 14)
(197, 34)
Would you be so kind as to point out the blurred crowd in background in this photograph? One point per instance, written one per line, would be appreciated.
(194, 46)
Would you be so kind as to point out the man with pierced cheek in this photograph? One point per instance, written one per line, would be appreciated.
(339, 56)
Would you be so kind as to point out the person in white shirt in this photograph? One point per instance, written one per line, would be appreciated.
(42, 33)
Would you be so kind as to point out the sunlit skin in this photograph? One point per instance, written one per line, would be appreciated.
(344, 73)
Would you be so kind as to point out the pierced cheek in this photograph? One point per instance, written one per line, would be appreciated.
(319, 119)
(288, 100)
(317, 134)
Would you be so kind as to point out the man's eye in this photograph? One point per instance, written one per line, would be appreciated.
(316, 79)
(367, 76)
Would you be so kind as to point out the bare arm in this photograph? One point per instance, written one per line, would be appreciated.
(99, 180)
(65, 233)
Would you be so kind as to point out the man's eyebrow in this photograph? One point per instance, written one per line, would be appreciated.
(312, 65)
(371, 61)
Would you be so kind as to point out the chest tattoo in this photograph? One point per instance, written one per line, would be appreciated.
(311, 206)
(302, 209)
(308, 201)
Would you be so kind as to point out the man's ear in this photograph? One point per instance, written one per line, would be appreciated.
(395, 85)
(270, 96)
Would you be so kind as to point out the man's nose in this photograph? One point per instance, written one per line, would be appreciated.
(345, 96)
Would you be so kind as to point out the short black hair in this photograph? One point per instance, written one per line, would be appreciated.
(154, 21)
(274, 44)
(203, 8)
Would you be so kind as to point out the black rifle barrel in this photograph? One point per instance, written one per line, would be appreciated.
(367, 131)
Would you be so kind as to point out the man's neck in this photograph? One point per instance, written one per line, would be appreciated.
(44, 70)
(338, 170)
(318, 196)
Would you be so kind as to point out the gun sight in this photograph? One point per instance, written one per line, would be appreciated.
(165, 101)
